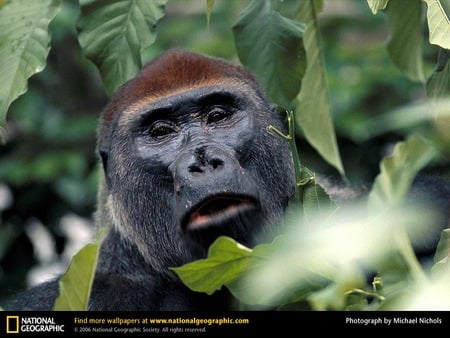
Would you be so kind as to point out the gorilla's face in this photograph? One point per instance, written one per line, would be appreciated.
(194, 164)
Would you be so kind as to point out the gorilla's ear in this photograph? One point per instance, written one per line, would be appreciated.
(104, 154)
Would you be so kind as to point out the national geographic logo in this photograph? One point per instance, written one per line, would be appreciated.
(12, 324)
(21, 324)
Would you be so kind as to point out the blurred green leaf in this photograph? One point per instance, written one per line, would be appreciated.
(313, 114)
(271, 46)
(209, 8)
(75, 285)
(403, 119)
(229, 263)
(406, 37)
(438, 24)
(113, 34)
(334, 296)
(443, 247)
(24, 45)
(398, 171)
(377, 5)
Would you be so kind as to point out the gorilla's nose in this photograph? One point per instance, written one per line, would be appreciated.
(212, 190)
(210, 163)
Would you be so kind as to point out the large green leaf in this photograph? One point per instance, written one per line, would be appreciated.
(406, 38)
(229, 264)
(398, 171)
(438, 24)
(227, 260)
(271, 46)
(113, 34)
(75, 285)
(313, 112)
(24, 45)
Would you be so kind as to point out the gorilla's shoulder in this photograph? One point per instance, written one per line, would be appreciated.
(38, 298)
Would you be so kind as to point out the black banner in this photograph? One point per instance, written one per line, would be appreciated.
(227, 324)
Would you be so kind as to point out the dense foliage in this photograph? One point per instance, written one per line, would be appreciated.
(368, 87)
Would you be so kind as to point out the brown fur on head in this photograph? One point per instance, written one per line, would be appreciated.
(172, 72)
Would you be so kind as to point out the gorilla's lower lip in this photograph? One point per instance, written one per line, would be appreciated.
(217, 210)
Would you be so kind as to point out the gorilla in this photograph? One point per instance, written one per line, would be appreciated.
(186, 157)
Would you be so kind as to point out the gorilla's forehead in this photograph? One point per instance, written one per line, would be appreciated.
(174, 72)
(196, 94)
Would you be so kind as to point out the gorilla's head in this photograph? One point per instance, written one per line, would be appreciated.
(187, 157)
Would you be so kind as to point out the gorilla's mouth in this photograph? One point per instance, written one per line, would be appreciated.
(217, 210)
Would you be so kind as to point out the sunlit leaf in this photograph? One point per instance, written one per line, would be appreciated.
(315, 260)
(398, 171)
(443, 247)
(271, 46)
(113, 34)
(377, 5)
(429, 297)
(313, 113)
(75, 285)
(24, 45)
(438, 24)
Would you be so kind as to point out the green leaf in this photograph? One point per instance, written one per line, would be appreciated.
(406, 37)
(113, 34)
(313, 113)
(315, 200)
(438, 85)
(271, 46)
(438, 24)
(24, 45)
(377, 5)
(398, 171)
(75, 285)
(227, 260)
(443, 247)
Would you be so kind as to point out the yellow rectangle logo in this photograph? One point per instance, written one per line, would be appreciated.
(12, 324)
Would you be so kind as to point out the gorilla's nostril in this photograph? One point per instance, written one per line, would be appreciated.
(195, 169)
(216, 163)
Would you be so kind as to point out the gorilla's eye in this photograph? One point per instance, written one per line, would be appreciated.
(217, 116)
(162, 129)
